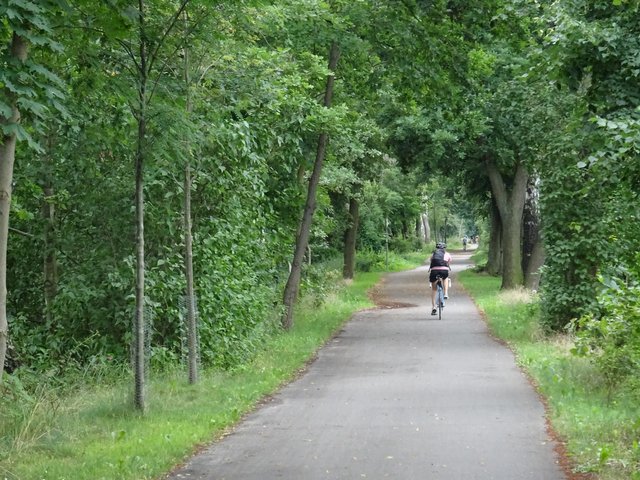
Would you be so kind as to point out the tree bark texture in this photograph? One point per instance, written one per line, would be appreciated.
(532, 247)
(351, 235)
(139, 334)
(293, 282)
(494, 262)
(192, 328)
(19, 50)
(510, 203)
(192, 325)
(340, 205)
(532, 274)
(425, 227)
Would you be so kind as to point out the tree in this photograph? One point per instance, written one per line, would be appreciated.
(144, 62)
(190, 297)
(590, 49)
(142, 38)
(18, 52)
(494, 260)
(293, 283)
(26, 24)
(510, 202)
(532, 245)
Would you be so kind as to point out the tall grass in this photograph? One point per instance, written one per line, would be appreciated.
(89, 431)
(602, 430)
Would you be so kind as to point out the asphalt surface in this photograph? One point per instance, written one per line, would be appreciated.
(397, 394)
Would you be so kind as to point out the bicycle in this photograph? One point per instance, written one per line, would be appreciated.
(439, 296)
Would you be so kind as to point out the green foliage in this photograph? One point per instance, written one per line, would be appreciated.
(590, 190)
(375, 261)
(424, 92)
(390, 209)
(247, 120)
(28, 85)
(40, 430)
(245, 188)
(575, 243)
(611, 335)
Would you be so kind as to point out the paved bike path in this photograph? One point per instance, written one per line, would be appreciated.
(400, 395)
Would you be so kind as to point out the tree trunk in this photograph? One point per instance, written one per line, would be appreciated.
(536, 261)
(340, 206)
(350, 238)
(192, 327)
(510, 205)
(494, 262)
(293, 282)
(426, 228)
(19, 51)
(50, 258)
(532, 246)
(139, 334)
(192, 330)
(512, 274)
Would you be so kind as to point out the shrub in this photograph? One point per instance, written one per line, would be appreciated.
(611, 336)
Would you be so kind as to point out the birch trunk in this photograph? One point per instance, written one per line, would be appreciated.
(532, 246)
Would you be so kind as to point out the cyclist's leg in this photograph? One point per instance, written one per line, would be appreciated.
(433, 293)
(445, 283)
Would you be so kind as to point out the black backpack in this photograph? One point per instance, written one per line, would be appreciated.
(437, 259)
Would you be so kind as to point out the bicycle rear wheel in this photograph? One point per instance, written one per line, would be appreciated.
(440, 301)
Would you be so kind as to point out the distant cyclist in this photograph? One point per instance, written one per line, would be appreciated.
(439, 266)
(464, 242)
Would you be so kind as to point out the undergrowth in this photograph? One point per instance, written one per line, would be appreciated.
(82, 425)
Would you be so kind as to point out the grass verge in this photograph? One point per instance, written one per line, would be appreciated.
(601, 427)
(93, 432)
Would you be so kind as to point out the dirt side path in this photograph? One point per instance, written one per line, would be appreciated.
(397, 394)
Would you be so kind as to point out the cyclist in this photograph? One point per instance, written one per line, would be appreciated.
(439, 265)
(464, 242)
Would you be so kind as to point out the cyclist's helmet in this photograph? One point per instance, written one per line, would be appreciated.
(441, 245)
